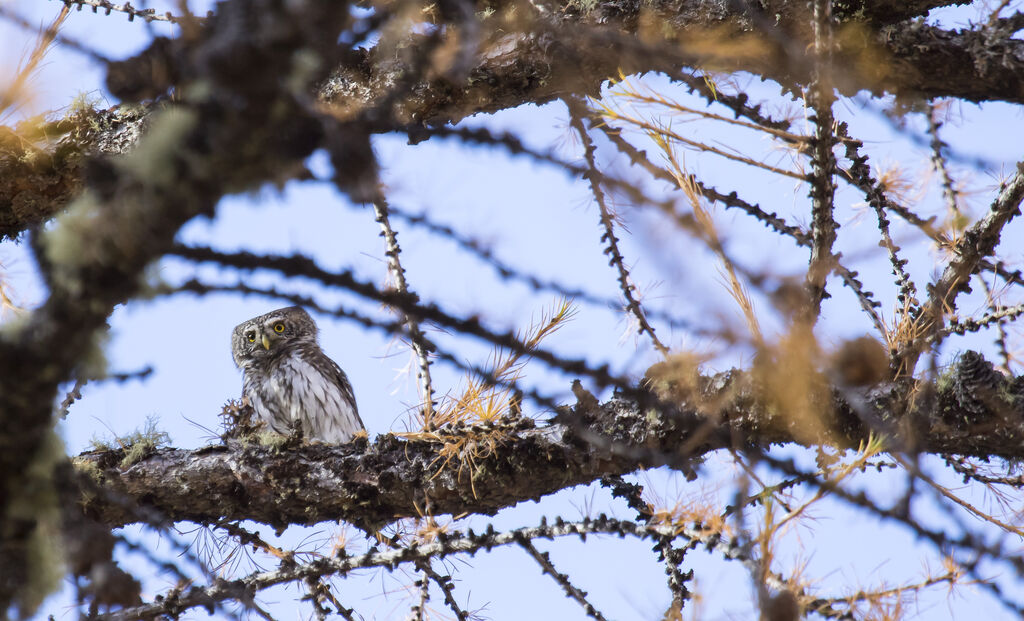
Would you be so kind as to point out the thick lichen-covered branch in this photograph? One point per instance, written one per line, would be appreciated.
(126, 214)
(374, 483)
(570, 51)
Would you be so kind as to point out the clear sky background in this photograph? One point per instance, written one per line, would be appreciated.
(544, 222)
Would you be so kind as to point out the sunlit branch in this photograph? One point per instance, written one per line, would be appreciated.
(509, 272)
(1001, 340)
(418, 340)
(770, 219)
(443, 582)
(63, 40)
(15, 90)
(634, 94)
(300, 266)
(820, 98)
(544, 560)
(976, 244)
(148, 15)
(949, 191)
(454, 543)
(576, 112)
(664, 130)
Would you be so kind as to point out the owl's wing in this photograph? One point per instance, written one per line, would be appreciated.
(337, 378)
(341, 380)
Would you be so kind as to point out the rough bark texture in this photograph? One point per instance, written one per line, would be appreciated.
(881, 49)
(126, 216)
(487, 468)
(244, 97)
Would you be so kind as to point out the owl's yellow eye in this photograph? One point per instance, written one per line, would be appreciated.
(279, 328)
(251, 336)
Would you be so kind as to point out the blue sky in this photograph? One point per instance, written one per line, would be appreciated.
(541, 220)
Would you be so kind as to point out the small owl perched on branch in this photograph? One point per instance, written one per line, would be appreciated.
(289, 380)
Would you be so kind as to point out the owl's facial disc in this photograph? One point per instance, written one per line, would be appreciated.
(272, 331)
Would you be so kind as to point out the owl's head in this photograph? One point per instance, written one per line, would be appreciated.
(264, 336)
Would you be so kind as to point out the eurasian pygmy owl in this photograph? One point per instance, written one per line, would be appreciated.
(289, 380)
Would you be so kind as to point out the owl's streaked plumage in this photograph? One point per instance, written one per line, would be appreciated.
(289, 380)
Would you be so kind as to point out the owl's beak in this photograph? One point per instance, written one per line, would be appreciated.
(266, 342)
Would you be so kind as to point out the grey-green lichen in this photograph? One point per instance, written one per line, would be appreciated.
(272, 440)
(135, 446)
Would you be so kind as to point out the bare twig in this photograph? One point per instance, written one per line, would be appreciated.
(577, 111)
(443, 582)
(977, 244)
(453, 544)
(949, 191)
(823, 163)
(148, 15)
(419, 610)
(1002, 338)
(670, 555)
(418, 340)
(544, 560)
(509, 272)
(770, 219)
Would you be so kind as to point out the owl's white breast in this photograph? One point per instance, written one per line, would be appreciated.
(303, 393)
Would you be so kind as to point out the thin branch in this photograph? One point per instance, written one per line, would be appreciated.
(299, 265)
(454, 543)
(509, 272)
(770, 219)
(75, 393)
(823, 163)
(1002, 338)
(860, 173)
(938, 147)
(69, 399)
(907, 296)
(418, 340)
(577, 110)
(544, 560)
(819, 605)
(976, 244)
(670, 555)
(705, 86)
(418, 612)
(942, 541)
(443, 582)
(63, 40)
(148, 15)
(970, 471)
(674, 136)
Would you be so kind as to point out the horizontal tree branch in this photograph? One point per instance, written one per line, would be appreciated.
(457, 543)
(484, 468)
(563, 55)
